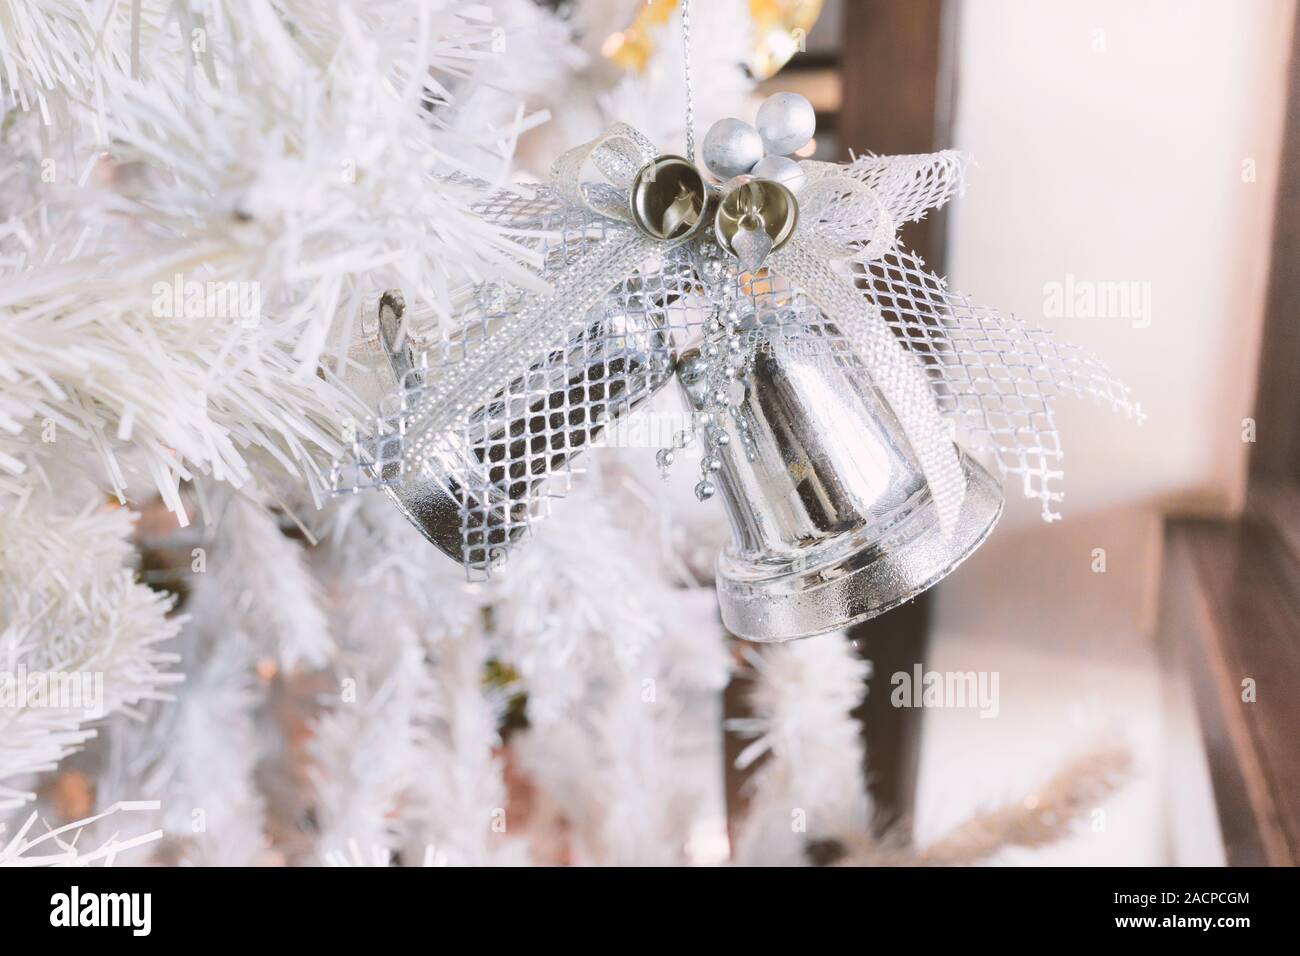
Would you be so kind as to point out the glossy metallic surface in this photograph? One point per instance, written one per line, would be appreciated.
(773, 204)
(780, 169)
(525, 435)
(668, 198)
(832, 522)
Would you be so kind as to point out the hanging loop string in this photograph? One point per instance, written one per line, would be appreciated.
(686, 60)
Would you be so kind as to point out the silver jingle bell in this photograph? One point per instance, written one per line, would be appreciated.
(527, 430)
(755, 205)
(832, 521)
(668, 198)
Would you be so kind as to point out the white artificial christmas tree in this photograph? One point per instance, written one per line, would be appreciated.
(198, 199)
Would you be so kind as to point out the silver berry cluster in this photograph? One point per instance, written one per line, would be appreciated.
(786, 123)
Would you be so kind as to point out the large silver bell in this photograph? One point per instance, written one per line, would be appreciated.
(832, 522)
(474, 495)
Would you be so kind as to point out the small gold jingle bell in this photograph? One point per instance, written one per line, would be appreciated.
(755, 218)
(668, 198)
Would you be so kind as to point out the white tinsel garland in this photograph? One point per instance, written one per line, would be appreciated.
(252, 603)
(31, 845)
(279, 612)
(404, 751)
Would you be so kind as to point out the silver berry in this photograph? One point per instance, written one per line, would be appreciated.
(786, 121)
(731, 147)
(781, 169)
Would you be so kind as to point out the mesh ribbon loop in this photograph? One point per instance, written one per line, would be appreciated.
(618, 154)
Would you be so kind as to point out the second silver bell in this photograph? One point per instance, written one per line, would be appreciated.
(832, 521)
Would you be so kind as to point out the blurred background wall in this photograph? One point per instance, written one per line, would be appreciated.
(1131, 142)
(1115, 142)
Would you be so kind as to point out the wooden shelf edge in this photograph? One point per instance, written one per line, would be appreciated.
(1224, 617)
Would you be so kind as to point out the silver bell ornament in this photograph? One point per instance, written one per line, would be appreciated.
(755, 218)
(827, 372)
(475, 493)
(832, 521)
(668, 197)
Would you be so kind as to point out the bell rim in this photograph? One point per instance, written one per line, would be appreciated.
(770, 593)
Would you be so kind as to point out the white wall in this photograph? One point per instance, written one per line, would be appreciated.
(1110, 137)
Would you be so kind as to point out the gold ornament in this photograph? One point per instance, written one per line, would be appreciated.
(780, 31)
(632, 48)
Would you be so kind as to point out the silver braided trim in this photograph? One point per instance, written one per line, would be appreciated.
(893, 370)
(618, 154)
(509, 350)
